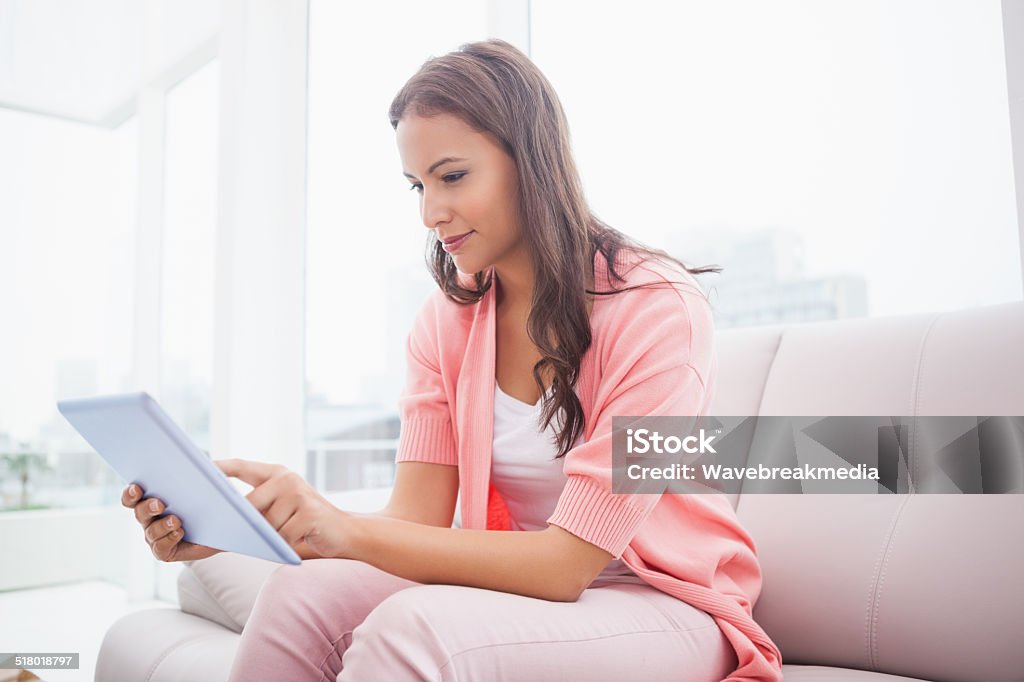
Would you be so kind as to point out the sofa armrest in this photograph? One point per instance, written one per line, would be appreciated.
(223, 588)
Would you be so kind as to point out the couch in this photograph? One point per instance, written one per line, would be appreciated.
(857, 588)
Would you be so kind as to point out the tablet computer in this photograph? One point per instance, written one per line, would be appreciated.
(143, 445)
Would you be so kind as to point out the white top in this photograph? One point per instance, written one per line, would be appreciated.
(526, 473)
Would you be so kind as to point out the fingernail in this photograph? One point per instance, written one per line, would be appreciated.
(154, 506)
(170, 523)
(133, 490)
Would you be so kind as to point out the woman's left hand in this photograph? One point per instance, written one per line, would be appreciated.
(293, 507)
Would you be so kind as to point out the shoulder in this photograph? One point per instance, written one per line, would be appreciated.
(664, 325)
(442, 324)
(438, 311)
(667, 300)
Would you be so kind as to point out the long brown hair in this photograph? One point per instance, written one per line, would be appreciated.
(496, 89)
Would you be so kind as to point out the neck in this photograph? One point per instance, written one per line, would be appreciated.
(515, 289)
(515, 275)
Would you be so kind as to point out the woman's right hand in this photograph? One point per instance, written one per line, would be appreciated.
(163, 533)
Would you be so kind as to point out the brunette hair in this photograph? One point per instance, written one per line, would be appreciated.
(495, 88)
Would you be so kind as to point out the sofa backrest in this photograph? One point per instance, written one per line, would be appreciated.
(923, 585)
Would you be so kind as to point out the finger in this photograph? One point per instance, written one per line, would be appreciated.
(147, 509)
(131, 495)
(161, 528)
(263, 496)
(281, 511)
(188, 551)
(164, 548)
(293, 531)
(253, 473)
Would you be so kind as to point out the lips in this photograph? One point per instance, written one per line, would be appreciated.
(452, 240)
(454, 244)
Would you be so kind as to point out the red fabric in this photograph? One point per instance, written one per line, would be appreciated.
(497, 513)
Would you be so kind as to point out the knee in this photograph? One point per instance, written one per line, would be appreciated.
(300, 589)
(404, 615)
(404, 630)
(283, 590)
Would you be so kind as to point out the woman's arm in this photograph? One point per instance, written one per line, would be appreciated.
(423, 493)
(550, 564)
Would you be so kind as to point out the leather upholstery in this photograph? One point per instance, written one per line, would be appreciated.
(857, 588)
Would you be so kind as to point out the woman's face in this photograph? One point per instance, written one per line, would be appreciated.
(467, 184)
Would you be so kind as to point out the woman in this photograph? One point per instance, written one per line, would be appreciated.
(546, 324)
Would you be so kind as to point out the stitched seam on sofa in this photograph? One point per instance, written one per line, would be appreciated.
(451, 659)
(915, 396)
(877, 573)
(214, 601)
(881, 582)
(176, 647)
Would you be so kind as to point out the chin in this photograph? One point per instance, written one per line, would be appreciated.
(467, 265)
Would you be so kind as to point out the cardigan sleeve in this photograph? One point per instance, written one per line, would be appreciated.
(426, 433)
(660, 362)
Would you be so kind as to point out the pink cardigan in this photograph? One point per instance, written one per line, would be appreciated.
(651, 354)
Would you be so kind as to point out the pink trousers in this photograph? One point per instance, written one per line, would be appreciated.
(330, 619)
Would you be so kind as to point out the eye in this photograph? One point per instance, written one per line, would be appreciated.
(449, 179)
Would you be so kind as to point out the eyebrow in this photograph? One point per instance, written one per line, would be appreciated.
(447, 159)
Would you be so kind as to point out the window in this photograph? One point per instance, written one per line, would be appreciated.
(366, 277)
(836, 159)
(188, 255)
(189, 245)
(67, 215)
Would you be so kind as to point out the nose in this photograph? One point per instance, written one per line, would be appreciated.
(434, 210)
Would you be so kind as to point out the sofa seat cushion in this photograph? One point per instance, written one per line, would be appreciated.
(165, 645)
(223, 588)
